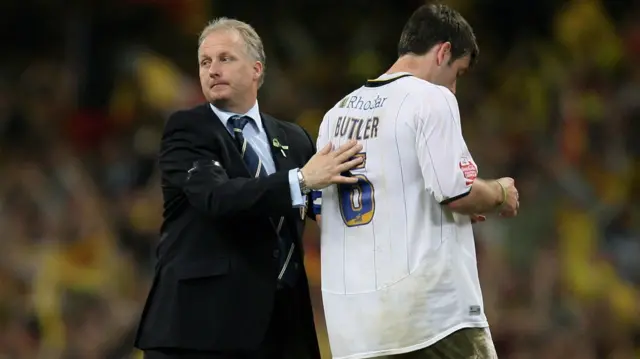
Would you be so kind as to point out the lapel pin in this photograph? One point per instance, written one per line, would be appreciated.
(276, 144)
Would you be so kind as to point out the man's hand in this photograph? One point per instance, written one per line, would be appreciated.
(511, 203)
(326, 166)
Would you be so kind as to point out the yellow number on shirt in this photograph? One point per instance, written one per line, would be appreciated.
(357, 202)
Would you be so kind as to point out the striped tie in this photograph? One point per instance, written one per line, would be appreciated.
(249, 155)
(288, 253)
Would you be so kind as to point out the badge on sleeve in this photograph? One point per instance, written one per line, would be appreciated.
(469, 170)
(316, 202)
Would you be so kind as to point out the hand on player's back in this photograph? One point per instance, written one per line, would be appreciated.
(512, 204)
(326, 166)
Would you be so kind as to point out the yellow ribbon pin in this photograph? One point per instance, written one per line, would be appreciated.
(276, 143)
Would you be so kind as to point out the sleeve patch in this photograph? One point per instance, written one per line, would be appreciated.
(469, 170)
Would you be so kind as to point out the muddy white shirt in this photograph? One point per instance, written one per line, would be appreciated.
(399, 269)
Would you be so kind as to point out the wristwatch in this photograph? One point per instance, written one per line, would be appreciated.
(303, 185)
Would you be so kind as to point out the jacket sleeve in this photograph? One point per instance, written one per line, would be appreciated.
(192, 165)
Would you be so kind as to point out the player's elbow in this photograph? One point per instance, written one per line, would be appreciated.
(462, 207)
(463, 204)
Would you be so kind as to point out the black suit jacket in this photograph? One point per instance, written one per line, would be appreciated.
(216, 275)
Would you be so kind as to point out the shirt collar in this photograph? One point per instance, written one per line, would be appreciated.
(253, 113)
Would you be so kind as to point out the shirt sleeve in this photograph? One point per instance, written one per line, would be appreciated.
(446, 164)
(297, 198)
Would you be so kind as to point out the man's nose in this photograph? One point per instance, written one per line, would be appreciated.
(214, 70)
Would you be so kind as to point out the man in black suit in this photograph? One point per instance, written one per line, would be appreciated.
(230, 280)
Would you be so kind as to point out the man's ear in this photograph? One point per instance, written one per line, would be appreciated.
(258, 68)
(444, 53)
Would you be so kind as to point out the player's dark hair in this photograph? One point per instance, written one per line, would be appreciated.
(434, 24)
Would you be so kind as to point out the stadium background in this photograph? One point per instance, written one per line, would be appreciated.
(85, 87)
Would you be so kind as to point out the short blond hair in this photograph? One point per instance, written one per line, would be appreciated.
(251, 39)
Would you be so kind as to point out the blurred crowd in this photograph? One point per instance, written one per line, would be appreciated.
(84, 90)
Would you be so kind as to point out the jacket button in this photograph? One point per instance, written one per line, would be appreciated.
(276, 253)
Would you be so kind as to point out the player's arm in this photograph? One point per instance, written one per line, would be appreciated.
(483, 196)
(449, 172)
(191, 166)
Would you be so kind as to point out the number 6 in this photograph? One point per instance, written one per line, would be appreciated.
(357, 202)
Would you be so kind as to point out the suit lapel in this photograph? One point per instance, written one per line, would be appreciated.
(275, 135)
(236, 166)
(283, 161)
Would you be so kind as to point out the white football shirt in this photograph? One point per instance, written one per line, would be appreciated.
(399, 268)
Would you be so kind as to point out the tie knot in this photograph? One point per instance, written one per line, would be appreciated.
(239, 122)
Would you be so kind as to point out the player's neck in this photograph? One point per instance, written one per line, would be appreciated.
(418, 66)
